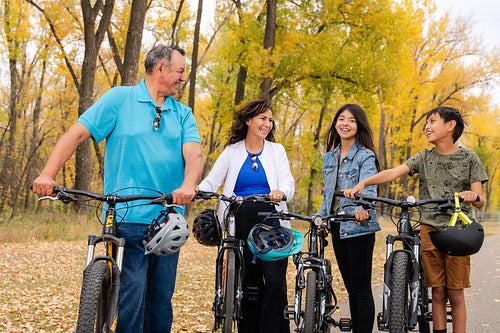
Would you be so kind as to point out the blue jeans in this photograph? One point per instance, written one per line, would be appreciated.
(147, 285)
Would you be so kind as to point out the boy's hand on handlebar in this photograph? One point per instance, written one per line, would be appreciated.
(183, 195)
(276, 195)
(468, 196)
(44, 185)
(358, 189)
(361, 215)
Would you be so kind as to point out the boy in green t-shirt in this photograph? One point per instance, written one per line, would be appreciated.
(443, 170)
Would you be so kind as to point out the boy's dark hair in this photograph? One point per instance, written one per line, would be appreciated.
(449, 114)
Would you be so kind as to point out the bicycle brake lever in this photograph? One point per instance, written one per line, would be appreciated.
(48, 197)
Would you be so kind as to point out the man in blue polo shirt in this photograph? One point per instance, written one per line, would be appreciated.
(152, 142)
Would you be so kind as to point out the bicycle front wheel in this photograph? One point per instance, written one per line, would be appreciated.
(229, 322)
(94, 298)
(311, 308)
(398, 303)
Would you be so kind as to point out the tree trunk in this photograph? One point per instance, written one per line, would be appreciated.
(194, 57)
(269, 41)
(133, 44)
(314, 172)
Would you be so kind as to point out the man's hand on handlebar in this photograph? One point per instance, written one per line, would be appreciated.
(44, 185)
(183, 195)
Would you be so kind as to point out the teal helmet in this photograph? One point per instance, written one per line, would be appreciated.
(271, 243)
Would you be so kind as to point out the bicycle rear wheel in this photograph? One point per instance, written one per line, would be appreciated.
(94, 298)
(311, 307)
(398, 303)
(229, 282)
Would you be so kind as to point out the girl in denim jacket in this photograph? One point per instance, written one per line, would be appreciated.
(351, 160)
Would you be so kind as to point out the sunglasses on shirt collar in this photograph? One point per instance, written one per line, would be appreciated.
(253, 158)
(157, 119)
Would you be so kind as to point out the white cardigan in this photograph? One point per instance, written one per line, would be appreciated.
(228, 165)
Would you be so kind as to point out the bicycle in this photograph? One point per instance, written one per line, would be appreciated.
(229, 272)
(405, 297)
(98, 308)
(320, 299)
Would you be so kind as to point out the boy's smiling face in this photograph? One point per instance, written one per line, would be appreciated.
(436, 130)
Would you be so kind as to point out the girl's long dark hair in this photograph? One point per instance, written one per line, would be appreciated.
(251, 109)
(364, 134)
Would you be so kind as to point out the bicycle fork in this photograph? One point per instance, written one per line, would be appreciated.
(414, 281)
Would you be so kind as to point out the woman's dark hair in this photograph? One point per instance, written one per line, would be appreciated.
(251, 109)
(364, 135)
(449, 114)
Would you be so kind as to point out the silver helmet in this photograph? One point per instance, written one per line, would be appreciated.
(166, 234)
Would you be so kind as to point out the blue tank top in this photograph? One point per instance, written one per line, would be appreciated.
(251, 180)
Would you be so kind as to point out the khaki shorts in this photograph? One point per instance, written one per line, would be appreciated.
(440, 269)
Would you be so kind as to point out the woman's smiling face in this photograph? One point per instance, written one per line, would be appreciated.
(260, 125)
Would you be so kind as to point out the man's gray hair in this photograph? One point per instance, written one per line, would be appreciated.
(160, 53)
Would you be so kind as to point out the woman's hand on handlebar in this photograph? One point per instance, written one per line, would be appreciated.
(276, 195)
(44, 185)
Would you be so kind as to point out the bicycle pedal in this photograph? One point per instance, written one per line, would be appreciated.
(381, 325)
(345, 324)
(289, 312)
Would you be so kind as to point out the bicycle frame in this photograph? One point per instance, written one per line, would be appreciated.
(410, 240)
(114, 245)
(411, 245)
(230, 244)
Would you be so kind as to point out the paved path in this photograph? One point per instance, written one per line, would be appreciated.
(482, 299)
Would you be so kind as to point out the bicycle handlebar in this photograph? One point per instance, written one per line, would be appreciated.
(318, 220)
(63, 194)
(254, 197)
(362, 200)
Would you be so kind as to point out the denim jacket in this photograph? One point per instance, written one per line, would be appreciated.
(358, 164)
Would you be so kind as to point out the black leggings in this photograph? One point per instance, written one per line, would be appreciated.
(265, 288)
(354, 258)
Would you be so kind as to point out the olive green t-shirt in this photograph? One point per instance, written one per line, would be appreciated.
(440, 176)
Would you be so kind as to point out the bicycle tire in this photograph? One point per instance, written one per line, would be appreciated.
(311, 308)
(229, 322)
(398, 303)
(94, 298)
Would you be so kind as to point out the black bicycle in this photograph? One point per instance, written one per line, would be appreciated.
(314, 274)
(230, 266)
(405, 297)
(98, 309)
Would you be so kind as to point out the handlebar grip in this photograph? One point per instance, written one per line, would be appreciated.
(338, 194)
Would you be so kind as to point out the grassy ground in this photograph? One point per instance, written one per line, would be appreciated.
(41, 264)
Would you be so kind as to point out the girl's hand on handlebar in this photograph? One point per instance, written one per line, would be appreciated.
(276, 195)
(361, 215)
(358, 189)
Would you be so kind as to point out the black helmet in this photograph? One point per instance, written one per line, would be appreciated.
(459, 242)
(206, 228)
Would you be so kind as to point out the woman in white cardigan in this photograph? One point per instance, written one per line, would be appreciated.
(252, 163)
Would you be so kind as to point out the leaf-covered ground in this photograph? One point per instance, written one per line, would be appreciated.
(40, 286)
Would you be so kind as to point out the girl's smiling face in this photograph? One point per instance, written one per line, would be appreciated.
(346, 125)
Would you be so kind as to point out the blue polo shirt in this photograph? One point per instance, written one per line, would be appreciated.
(137, 156)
